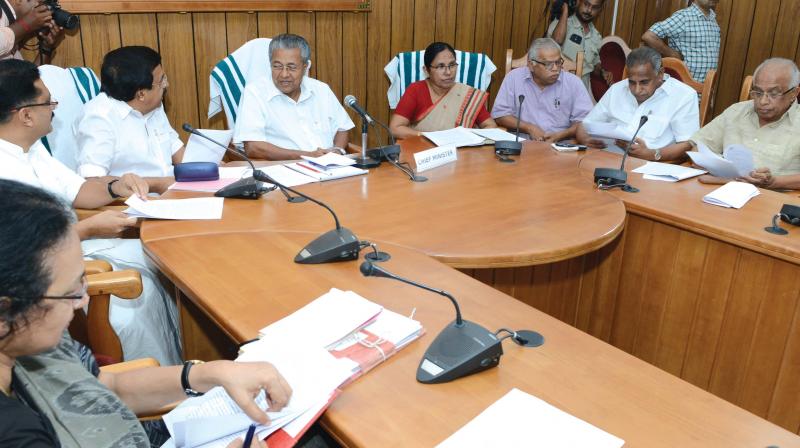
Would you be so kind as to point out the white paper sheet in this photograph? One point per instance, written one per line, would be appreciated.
(457, 137)
(194, 208)
(495, 134)
(667, 172)
(199, 149)
(330, 159)
(737, 161)
(606, 130)
(519, 419)
(732, 195)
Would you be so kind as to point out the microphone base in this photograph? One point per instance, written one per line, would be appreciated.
(610, 176)
(366, 162)
(335, 245)
(458, 352)
(775, 230)
(247, 188)
(384, 152)
(378, 256)
(508, 147)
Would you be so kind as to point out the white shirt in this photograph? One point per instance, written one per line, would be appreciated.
(114, 139)
(39, 169)
(8, 48)
(267, 115)
(673, 115)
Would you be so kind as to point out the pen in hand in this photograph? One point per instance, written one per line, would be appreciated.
(248, 439)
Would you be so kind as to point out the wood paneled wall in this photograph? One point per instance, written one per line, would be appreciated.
(351, 48)
(723, 318)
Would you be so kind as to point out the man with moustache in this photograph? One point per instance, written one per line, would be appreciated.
(577, 33)
(693, 35)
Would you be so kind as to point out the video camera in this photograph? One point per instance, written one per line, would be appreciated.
(555, 9)
(62, 17)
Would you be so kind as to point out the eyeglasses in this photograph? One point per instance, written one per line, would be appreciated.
(163, 83)
(52, 104)
(443, 68)
(550, 64)
(291, 68)
(772, 96)
(84, 290)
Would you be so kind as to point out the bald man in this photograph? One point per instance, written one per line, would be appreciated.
(768, 124)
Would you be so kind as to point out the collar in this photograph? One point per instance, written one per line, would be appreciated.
(666, 88)
(790, 116)
(13, 149)
(712, 15)
(272, 91)
(529, 76)
(576, 22)
(122, 109)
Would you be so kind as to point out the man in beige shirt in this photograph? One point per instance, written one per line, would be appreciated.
(577, 33)
(769, 125)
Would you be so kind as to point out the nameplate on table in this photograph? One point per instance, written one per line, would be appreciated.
(434, 157)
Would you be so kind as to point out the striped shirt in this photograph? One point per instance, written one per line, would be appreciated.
(695, 35)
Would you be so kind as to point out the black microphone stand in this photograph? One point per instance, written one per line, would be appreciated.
(504, 148)
(608, 178)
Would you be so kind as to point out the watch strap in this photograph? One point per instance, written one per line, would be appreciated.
(111, 190)
(187, 388)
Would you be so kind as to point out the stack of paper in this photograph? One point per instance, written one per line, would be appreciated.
(457, 137)
(667, 172)
(199, 149)
(737, 161)
(495, 134)
(520, 419)
(732, 194)
(325, 173)
(195, 208)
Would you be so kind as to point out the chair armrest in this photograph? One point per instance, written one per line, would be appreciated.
(353, 148)
(91, 267)
(127, 366)
(125, 284)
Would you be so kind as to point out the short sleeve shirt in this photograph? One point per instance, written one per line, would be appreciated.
(115, 139)
(576, 40)
(8, 49)
(39, 169)
(311, 122)
(695, 35)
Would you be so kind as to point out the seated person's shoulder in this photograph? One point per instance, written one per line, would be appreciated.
(416, 87)
(21, 426)
(675, 87)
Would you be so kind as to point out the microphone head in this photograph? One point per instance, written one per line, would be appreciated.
(350, 100)
(643, 120)
(521, 98)
(367, 268)
(188, 128)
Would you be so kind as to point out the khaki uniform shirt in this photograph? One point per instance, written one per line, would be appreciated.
(589, 44)
(775, 146)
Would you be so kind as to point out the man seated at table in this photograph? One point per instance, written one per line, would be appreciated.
(768, 124)
(290, 114)
(670, 107)
(439, 102)
(147, 326)
(555, 100)
(124, 128)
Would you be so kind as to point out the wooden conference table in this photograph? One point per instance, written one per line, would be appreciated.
(236, 276)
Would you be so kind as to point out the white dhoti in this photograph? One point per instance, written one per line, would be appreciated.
(148, 325)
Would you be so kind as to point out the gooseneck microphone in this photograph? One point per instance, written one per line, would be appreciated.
(607, 178)
(339, 244)
(246, 188)
(504, 148)
(351, 102)
(461, 348)
(363, 161)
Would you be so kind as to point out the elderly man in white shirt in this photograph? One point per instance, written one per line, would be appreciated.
(147, 326)
(670, 106)
(290, 114)
(124, 128)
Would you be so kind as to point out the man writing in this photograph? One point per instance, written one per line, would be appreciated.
(290, 114)
(555, 100)
(768, 124)
(577, 33)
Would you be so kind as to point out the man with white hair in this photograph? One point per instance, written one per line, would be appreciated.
(768, 124)
(555, 100)
(290, 114)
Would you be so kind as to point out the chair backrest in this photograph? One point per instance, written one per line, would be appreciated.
(72, 88)
(474, 69)
(613, 53)
(747, 84)
(574, 67)
(229, 77)
(677, 69)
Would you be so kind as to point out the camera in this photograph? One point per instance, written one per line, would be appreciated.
(62, 17)
(555, 9)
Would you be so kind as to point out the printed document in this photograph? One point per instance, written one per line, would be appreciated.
(457, 137)
(194, 208)
(667, 172)
(199, 149)
(736, 160)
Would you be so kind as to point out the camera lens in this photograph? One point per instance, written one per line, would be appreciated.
(65, 19)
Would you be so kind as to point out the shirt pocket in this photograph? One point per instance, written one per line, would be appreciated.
(654, 128)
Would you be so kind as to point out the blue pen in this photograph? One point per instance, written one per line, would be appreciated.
(248, 439)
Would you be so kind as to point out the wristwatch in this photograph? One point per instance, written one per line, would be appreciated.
(658, 154)
(111, 190)
(187, 388)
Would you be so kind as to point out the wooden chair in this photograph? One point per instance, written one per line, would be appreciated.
(677, 69)
(92, 328)
(613, 53)
(747, 84)
(574, 67)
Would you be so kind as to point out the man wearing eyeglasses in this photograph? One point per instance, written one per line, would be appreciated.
(147, 326)
(576, 33)
(555, 100)
(768, 124)
(290, 114)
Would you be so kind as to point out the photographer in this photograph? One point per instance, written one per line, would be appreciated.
(575, 32)
(20, 20)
